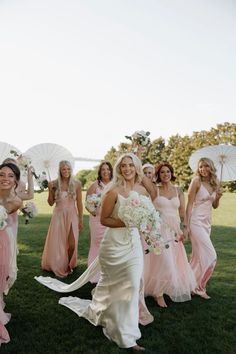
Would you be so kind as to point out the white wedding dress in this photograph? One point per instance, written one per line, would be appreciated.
(117, 303)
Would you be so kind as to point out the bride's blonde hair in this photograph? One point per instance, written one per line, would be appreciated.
(118, 179)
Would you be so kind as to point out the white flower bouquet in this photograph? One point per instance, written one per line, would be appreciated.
(3, 217)
(41, 181)
(29, 211)
(138, 211)
(140, 138)
(93, 201)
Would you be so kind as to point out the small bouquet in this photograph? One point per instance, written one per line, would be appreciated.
(23, 161)
(29, 211)
(138, 211)
(3, 217)
(41, 181)
(93, 201)
(139, 138)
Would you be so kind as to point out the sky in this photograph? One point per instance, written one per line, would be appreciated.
(83, 74)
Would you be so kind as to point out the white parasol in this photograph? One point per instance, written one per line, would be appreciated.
(46, 157)
(7, 150)
(223, 156)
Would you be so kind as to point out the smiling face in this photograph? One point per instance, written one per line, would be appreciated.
(127, 168)
(204, 169)
(149, 172)
(65, 171)
(105, 172)
(165, 174)
(7, 178)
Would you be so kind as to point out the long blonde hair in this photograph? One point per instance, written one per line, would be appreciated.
(213, 181)
(118, 179)
(71, 184)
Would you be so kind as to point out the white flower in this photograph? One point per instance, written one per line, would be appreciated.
(93, 201)
(140, 137)
(3, 217)
(138, 211)
(42, 180)
(29, 211)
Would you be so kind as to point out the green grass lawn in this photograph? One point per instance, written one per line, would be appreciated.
(39, 325)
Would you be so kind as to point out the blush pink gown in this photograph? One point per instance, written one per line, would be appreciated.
(4, 273)
(96, 234)
(56, 257)
(170, 272)
(203, 258)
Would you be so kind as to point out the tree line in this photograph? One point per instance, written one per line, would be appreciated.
(176, 150)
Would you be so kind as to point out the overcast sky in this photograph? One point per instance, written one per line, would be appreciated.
(83, 74)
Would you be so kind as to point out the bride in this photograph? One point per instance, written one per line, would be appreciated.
(116, 304)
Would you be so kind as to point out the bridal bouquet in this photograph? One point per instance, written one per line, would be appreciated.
(93, 201)
(29, 211)
(41, 181)
(140, 138)
(138, 211)
(3, 217)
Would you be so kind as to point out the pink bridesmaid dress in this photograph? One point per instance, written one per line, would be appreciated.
(96, 234)
(203, 258)
(170, 272)
(4, 273)
(56, 257)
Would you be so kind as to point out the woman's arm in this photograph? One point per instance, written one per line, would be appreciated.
(13, 205)
(108, 204)
(23, 192)
(182, 214)
(79, 204)
(219, 193)
(192, 191)
(150, 187)
(51, 193)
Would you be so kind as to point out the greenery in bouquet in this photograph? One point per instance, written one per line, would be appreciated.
(29, 211)
(139, 138)
(138, 211)
(3, 217)
(93, 201)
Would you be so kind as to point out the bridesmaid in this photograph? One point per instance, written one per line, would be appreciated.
(105, 174)
(203, 194)
(9, 178)
(149, 171)
(60, 249)
(170, 272)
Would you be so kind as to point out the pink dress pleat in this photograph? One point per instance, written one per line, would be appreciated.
(4, 273)
(170, 272)
(55, 256)
(96, 235)
(203, 258)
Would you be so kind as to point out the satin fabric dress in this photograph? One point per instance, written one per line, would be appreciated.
(97, 231)
(55, 256)
(203, 258)
(4, 273)
(116, 304)
(169, 273)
